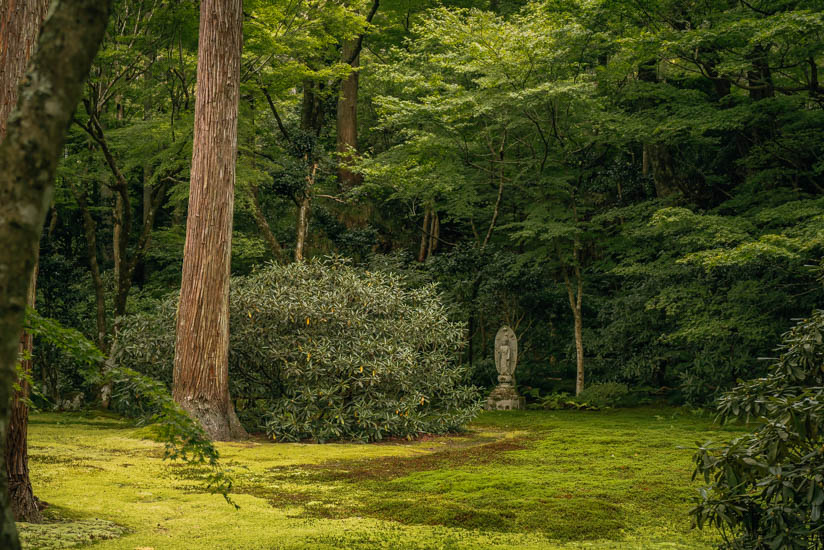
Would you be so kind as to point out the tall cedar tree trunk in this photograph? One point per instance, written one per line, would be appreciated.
(201, 370)
(347, 119)
(28, 161)
(21, 21)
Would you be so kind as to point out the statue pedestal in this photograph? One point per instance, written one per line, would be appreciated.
(504, 398)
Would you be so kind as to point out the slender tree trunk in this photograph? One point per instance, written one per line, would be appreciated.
(90, 228)
(434, 234)
(263, 225)
(579, 351)
(424, 235)
(20, 22)
(201, 370)
(311, 122)
(347, 119)
(257, 211)
(575, 306)
(302, 226)
(304, 214)
(28, 160)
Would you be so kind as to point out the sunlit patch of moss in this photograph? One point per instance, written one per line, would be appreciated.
(601, 480)
(67, 534)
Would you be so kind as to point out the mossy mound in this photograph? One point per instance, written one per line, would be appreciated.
(67, 534)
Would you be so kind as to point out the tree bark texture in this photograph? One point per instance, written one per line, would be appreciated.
(20, 22)
(201, 369)
(35, 132)
(24, 505)
(347, 120)
(19, 27)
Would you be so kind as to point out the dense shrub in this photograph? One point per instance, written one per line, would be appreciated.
(323, 350)
(767, 487)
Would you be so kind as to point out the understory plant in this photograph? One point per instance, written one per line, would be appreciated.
(323, 350)
(766, 488)
(142, 397)
(593, 398)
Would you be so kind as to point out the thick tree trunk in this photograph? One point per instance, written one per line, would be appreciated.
(347, 119)
(20, 22)
(28, 160)
(24, 505)
(201, 369)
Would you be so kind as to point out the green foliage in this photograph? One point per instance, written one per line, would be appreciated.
(323, 350)
(594, 397)
(604, 395)
(766, 488)
(697, 296)
(183, 438)
(563, 400)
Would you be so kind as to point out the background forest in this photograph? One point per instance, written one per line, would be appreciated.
(635, 186)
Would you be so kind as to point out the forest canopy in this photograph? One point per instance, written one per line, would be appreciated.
(634, 187)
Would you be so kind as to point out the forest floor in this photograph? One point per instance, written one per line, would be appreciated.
(616, 479)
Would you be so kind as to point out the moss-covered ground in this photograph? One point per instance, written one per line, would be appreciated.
(602, 480)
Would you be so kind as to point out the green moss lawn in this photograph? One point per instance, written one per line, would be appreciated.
(601, 480)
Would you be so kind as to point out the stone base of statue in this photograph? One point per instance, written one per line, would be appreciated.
(504, 397)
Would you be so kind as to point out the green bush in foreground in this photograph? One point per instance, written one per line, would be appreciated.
(323, 350)
(767, 487)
